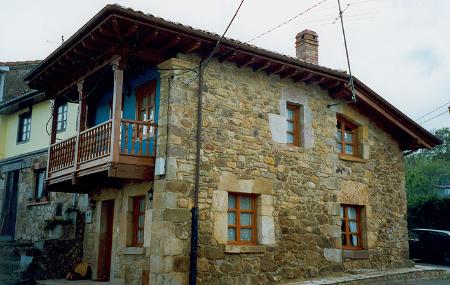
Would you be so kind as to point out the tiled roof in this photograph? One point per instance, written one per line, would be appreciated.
(14, 78)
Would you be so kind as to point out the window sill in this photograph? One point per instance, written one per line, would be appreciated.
(351, 158)
(33, 203)
(231, 248)
(355, 254)
(133, 251)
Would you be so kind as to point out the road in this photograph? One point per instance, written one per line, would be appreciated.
(440, 281)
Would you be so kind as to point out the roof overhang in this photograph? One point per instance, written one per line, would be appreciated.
(21, 102)
(116, 31)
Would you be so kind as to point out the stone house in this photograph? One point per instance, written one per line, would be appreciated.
(288, 179)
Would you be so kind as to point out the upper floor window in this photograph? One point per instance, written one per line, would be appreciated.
(351, 227)
(24, 130)
(347, 134)
(241, 218)
(293, 123)
(145, 96)
(61, 123)
(138, 220)
(39, 186)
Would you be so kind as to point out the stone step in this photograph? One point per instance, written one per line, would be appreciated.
(370, 276)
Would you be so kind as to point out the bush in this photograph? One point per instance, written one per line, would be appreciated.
(430, 214)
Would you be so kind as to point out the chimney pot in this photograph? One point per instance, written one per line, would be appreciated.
(307, 46)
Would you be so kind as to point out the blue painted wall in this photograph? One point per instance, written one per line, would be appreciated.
(131, 81)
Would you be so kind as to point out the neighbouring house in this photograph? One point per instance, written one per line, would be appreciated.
(25, 205)
(294, 181)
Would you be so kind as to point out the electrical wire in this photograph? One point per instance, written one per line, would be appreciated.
(440, 107)
(446, 111)
(286, 22)
(203, 64)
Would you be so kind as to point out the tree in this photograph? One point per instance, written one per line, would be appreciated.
(428, 168)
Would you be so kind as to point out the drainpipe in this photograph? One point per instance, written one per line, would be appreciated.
(194, 225)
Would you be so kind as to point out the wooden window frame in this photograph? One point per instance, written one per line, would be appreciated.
(354, 131)
(136, 215)
(139, 95)
(36, 184)
(20, 127)
(296, 122)
(65, 109)
(347, 233)
(238, 225)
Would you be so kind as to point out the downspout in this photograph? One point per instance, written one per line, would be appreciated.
(194, 225)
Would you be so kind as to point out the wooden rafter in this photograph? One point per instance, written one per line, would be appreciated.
(303, 76)
(116, 27)
(329, 83)
(193, 46)
(227, 56)
(279, 70)
(263, 66)
(132, 30)
(247, 62)
(293, 73)
(153, 35)
(172, 42)
(316, 79)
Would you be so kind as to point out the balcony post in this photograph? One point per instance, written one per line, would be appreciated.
(117, 66)
(80, 126)
(54, 109)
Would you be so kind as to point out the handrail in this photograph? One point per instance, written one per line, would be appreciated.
(139, 122)
(96, 126)
(63, 140)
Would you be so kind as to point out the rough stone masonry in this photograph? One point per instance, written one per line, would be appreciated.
(299, 190)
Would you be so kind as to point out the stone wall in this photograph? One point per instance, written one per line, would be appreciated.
(31, 214)
(242, 151)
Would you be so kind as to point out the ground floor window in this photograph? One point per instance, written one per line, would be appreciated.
(242, 219)
(351, 227)
(39, 186)
(138, 220)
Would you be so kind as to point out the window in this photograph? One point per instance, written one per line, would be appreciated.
(346, 137)
(241, 218)
(61, 123)
(39, 186)
(24, 130)
(351, 227)
(293, 130)
(138, 220)
(145, 95)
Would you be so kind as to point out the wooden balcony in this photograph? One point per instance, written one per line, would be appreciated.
(94, 151)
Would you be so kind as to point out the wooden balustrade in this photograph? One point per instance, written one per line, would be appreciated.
(62, 154)
(138, 138)
(137, 146)
(95, 142)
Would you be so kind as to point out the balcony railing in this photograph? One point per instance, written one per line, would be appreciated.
(137, 145)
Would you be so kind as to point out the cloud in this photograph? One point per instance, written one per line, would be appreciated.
(426, 59)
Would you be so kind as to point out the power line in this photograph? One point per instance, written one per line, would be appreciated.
(432, 111)
(446, 111)
(286, 22)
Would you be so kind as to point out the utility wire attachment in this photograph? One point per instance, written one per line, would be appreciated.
(351, 81)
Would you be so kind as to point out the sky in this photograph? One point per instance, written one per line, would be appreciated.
(399, 48)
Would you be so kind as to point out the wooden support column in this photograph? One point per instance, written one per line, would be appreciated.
(80, 115)
(52, 135)
(118, 66)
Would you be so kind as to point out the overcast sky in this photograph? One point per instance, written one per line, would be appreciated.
(399, 48)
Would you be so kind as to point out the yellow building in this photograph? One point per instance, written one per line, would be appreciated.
(25, 123)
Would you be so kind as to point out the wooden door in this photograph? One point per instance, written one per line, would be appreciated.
(9, 209)
(105, 242)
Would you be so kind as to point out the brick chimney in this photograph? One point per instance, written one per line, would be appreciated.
(307, 46)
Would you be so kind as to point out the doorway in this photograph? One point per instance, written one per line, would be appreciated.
(9, 207)
(105, 240)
